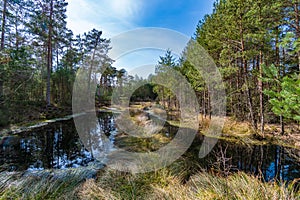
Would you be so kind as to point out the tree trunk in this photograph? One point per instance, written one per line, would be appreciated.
(3, 24)
(163, 98)
(298, 54)
(1, 90)
(49, 56)
(282, 125)
(92, 62)
(261, 95)
(17, 31)
(209, 104)
(238, 94)
(248, 92)
(2, 40)
(297, 23)
(249, 99)
(204, 104)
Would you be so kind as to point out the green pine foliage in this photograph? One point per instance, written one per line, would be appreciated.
(255, 45)
(284, 95)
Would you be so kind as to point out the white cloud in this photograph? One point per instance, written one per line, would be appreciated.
(138, 50)
(118, 16)
(110, 16)
(125, 9)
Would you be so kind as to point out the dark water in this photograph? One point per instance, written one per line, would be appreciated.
(58, 146)
(269, 161)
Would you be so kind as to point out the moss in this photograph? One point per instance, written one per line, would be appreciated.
(136, 144)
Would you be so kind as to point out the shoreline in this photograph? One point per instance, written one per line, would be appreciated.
(233, 130)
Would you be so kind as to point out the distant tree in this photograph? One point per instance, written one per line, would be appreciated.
(165, 63)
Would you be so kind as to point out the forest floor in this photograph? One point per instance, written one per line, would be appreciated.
(24, 116)
(243, 131)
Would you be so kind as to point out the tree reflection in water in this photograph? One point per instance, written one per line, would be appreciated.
(58, 146)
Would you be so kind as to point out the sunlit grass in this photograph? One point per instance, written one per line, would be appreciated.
(60, 184)
(237, 186)
(166, 183)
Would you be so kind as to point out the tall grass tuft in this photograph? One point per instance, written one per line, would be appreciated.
(169, 183)
(238, 186)
(60, 184)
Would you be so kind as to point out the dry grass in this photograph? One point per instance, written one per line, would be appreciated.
(234, 128)
(163, 185)
(238, 131)
(90, 190)
(238, 186)
(167, 183)
(60, 184)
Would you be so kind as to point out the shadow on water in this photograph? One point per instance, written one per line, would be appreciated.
(270, 162)
(58, 146)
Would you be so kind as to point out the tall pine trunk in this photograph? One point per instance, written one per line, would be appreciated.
(3, 24)
(92, 62)
(49, 56)
(261, 95)
(248, 92)
(297, 27)
(2, 40)
(280, 70)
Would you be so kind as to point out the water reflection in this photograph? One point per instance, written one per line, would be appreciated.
(271, 162)
(54, 146)
(58, 146)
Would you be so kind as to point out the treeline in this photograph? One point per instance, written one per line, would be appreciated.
(39, 57)
(255, 44)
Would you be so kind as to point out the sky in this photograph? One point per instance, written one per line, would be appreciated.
(115, 17)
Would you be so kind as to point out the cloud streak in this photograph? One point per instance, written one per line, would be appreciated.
(111, 16)
(115, 17)
(125, 9)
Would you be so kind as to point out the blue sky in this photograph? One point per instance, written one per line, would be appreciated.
(117, 16)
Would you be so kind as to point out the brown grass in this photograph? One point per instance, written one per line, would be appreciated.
(163, 185)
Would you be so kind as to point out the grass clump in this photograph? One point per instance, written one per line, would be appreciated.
(120, 185)
(201, 186)
(170, 183)
(42, 185)
(236, 186)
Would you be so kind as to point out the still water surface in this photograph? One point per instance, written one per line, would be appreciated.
(58, 146)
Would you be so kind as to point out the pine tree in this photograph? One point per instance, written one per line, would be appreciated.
(165, 63)
(243, 37)
(48, 26)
